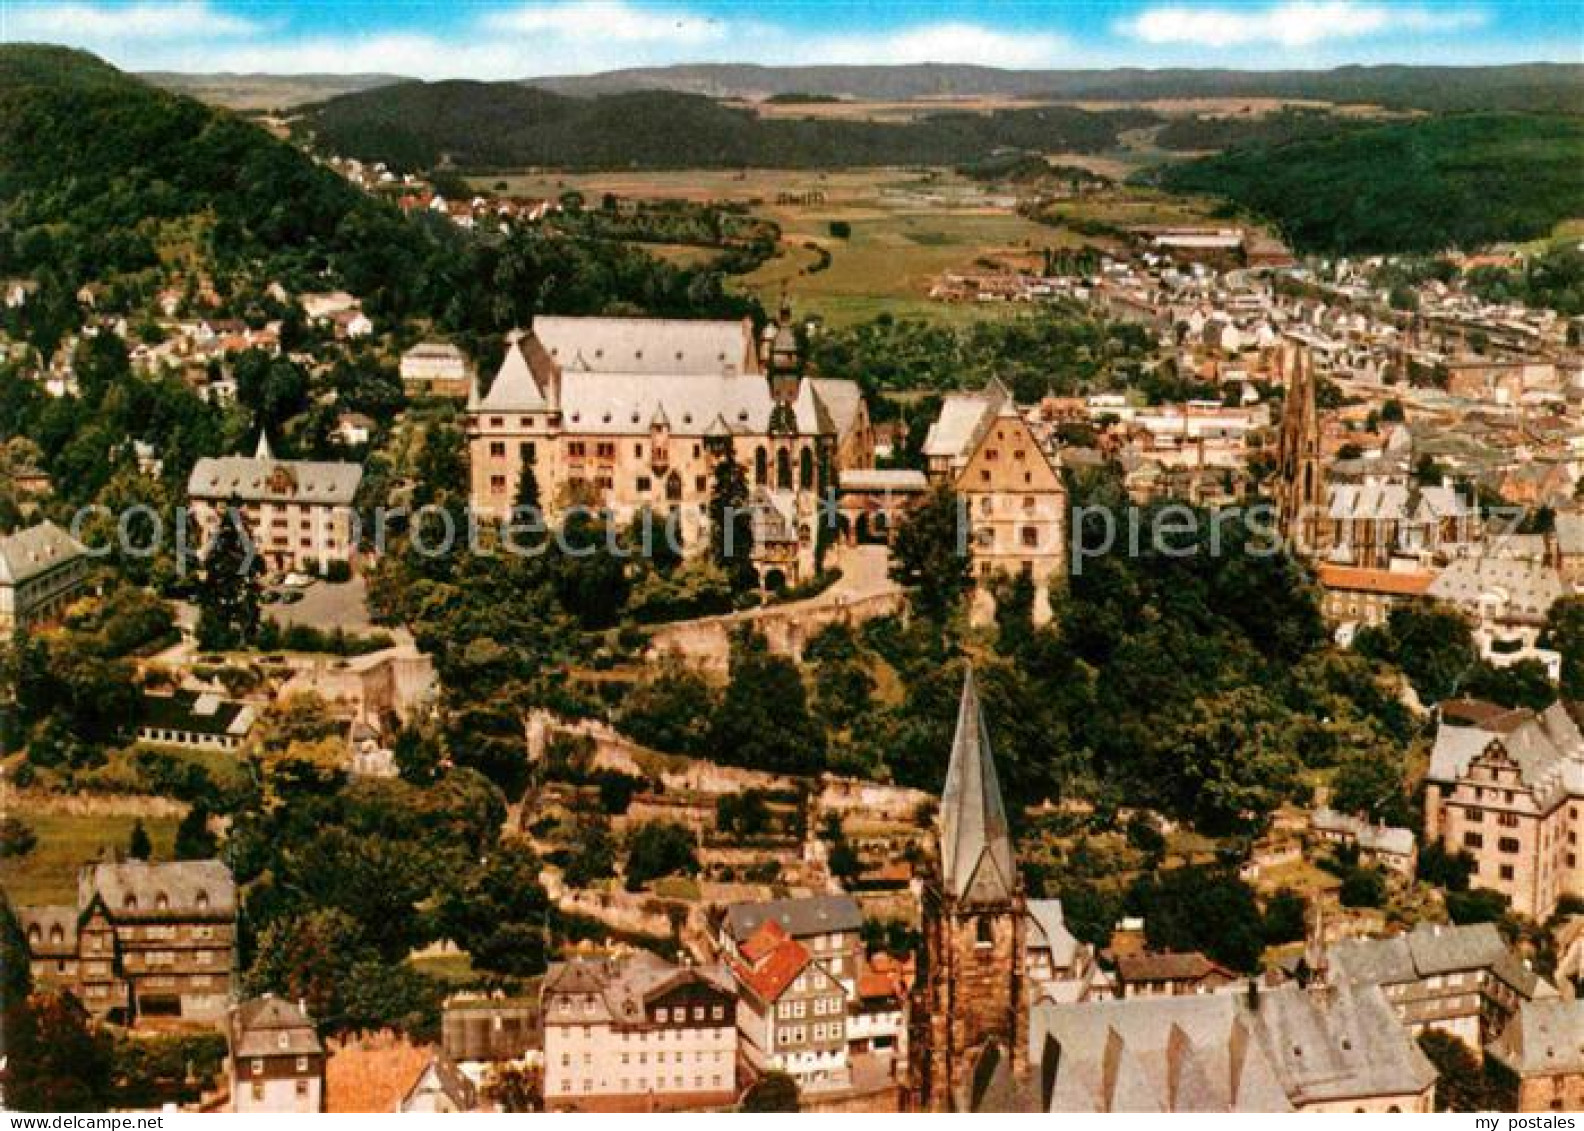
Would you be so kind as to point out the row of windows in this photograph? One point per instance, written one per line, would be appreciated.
(644, 1084)
(716, 1057)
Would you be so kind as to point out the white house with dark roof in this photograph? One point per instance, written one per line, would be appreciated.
(42, 569)
(277, 1061)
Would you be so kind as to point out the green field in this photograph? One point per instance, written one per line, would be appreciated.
(48, 874)
(908, 227)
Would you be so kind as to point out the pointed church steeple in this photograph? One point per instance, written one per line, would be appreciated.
(263, 451)
(976, 842)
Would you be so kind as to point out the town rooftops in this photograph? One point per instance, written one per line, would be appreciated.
(272, 1026)
(1520, 589)
(801, 918)
(1547, 748)
(140, 889)
(771, 960)
(35, 551)
(899, 479)
(1266, 1051)
(622, 986)
(1048, 931)
(1386, 839)
(51, 929)
(1544, 1038)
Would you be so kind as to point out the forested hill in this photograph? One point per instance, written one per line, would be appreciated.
(104, 177)
(1425, 185)
(1524, 86)
(482, 125)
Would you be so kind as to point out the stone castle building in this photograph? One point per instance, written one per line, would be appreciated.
(1507, 788)
(625, 414)
(1013, 499)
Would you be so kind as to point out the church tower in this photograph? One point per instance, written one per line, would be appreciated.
(1300, 476)
(970, 1014)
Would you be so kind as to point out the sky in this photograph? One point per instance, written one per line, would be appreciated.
(508, 39)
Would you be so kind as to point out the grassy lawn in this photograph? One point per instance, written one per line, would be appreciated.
(453, 968)
(48, 874)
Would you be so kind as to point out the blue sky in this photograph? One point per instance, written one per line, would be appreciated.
(520, 38)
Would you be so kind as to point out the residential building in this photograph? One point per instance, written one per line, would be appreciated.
(144, 940)
(299, 514)
(877, 1017)
(1542, 1047)
(1463, 980)
(1164, 974)
(1507, 787)
(42, 570)
(1058, 967)
(1322, 1048)
(436, 369)
(276, 1061)
(791, 1012)
(441, 1088)
(829, 926)
(480, 1031)
(1012, 497)
(1366, 597)
(637, 1033)
(1390, 847)
(195, 720)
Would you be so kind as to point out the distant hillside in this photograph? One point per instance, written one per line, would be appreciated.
(484, 125)
(1423, 185)
(101, 174)
(265, 92)
(1534, 86)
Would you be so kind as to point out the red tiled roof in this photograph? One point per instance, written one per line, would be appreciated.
(1353, 578)
(781, 959)
(373, 1073)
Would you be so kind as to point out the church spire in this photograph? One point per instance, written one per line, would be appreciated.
(976, 843)
(263, 450)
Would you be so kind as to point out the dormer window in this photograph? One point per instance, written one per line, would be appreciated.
(57, 936)
(162, 902)
(201, 901)
(129, 903)
(283, 1039)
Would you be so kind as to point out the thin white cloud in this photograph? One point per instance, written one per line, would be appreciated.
(1302, 23)
(104, 23)
(608, 20)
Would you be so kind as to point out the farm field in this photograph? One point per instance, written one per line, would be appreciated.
(66, 841)
(907, 226)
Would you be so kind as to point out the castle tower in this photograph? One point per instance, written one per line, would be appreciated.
(1300, 476)
(970, 1014)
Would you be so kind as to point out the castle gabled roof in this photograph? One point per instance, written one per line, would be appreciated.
(976, 843)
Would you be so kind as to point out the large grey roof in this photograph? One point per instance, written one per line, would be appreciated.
(801, 918)
(653, 346)
(34, 551)
(1547, 747)
(1428, 950)
(626, 403)
(1543, 1038)
(1047, 930)
(842, 399)
(1524, 589)
(976, 842)
(252, 480)
(1569, 533)
(622, 986)
(132, 888)
(1234, 1051)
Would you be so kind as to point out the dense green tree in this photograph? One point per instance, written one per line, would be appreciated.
(1432, 644)
(1564, 632)
(731, 523)
(930, 555)
(656, 849)
(194, 841)
(1462, 1082)
(763, 721)
(139, 847)
(57, 1058)
(1523, 684)
(1363, 887)
(772, 1092)
(227, 590)
(500, 916)
(670, 711)
(1286, 917)
(1201, 909)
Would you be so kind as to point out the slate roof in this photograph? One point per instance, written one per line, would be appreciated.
(623, 985)
(37, 550)
(1161, 967)
(1047, 930)
(883, 479)
(801, 918)
(1548, 749)
(1524, 589)
(842, 399)
(49, 918)
(1569, 533)
(131, 889)
(653, 346)
(250, 479)
(1235, 1051)
(976, 843)
(259, 1024)
(1544, 1038)
(1430, 949)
